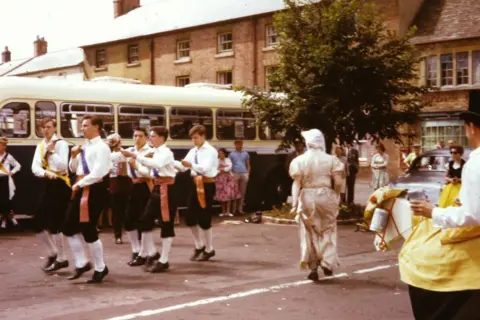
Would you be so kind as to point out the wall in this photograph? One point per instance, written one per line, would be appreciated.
(117, 61)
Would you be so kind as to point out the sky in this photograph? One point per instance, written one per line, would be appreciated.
(64, 24)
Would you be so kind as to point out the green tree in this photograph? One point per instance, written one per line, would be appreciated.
(341, 71)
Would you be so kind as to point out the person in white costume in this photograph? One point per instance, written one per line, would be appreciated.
(316, 204)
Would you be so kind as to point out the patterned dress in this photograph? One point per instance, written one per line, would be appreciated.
(226, 188)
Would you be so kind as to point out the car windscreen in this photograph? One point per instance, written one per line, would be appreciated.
(430, 163)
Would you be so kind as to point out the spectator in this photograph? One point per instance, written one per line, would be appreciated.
(226, 187)
(440, 145)
(241, 171)
(342, 175)
(451, 144)
(379, 168)
(352, 170)
(412, 156)
(454, 178)
(8, 168)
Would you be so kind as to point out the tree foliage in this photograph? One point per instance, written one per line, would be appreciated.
(341, 71)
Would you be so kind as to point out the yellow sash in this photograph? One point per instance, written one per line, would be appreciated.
(2, 167)
(45, 166)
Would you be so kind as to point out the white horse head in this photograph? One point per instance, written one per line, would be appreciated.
(399, 224)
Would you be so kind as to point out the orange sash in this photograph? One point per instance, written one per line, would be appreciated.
(148, 181)
(164, 182)
(199, 183)
(84, 213)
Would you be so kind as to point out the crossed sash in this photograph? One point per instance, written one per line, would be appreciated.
(84, 212)
(163, 183)
(200, 184)
(46, 166)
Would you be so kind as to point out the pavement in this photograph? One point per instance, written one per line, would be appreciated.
(254, 275)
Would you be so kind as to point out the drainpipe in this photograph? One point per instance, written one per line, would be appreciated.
(152, 61)
(255, 53)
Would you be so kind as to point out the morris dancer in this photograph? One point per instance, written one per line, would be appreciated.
(120, 185)
(202, 160)
(91, 162)
(162, 202)
(8, 168)
(142, 185)
(316, 204)
(50, 163)
(440, 260)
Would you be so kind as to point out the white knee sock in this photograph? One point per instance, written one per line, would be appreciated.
(166, 245)
(76, 245)
(47, 239)
(58, 240)
(14, 221)
(199, 244)
(143, 247)
(134, 242)
(208, 239)
(97, 253)
(148, 243)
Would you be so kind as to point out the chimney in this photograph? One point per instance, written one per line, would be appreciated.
(6, 55)
(121, 7)
(40, 46)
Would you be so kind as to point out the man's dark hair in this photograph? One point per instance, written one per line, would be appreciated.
(160, 131)
(141, 129)
(95, 121)
(473, 120)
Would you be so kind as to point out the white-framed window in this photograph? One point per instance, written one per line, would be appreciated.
(431, 71)
(462, 68)
(224, 77)
(476, 66)
(101, 58)
(183, 49)
(272, 36)
(225, 42)
(435, 130)
(182, 81)
(133, 56)
(447, 69)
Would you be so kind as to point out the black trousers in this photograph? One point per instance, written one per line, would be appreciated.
(152, 212)
(96, 203)
(351, 188)
(120, 188)
(197, 215)
(5, 203)
(433, 305)
(51, 212)
(139, 196)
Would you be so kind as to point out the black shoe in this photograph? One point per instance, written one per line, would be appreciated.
(80, 271)
(197, 253)
(57, 266)
(313, 276)
(159, 267)
(49, 262)
(327, 272)
(139, 261)
(134, 257)
(206, 255)
(151, 260)
(98, 276)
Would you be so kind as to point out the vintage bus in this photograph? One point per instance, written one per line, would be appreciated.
(24, 102)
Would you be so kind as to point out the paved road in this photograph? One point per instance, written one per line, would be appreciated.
(255, 275)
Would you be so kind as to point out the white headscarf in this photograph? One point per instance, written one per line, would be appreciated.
(314, 139)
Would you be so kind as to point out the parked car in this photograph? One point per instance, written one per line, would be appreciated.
(427, 172)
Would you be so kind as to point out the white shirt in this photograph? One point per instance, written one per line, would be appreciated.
(206, 163)
(162, 162)
(117, 158)
(468, 214)
(58, 161)
(97, 155)
(227, 165)
(139, 172)
(10, 164)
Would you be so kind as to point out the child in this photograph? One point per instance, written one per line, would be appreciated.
(8, 167)
(226, 188)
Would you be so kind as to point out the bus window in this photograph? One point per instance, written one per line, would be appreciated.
(235, 124)
(15, 120)
(267, 134)
(130, 117)
(72, 113)
(183, 119)
(44, 109)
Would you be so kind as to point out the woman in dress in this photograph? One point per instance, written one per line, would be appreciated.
(316, 204)
(454, 178)
(226, 188)
(340, 155)
(379, 168)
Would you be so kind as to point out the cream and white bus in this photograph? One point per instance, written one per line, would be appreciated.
(24, 102)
